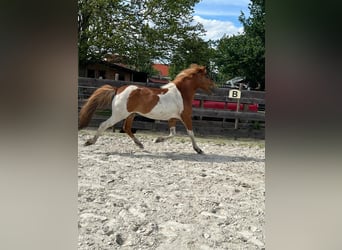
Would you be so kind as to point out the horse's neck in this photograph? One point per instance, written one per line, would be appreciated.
(187, 89)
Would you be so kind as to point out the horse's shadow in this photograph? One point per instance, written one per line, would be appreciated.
(191, 157)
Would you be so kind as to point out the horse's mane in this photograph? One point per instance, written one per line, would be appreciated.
(188, 73)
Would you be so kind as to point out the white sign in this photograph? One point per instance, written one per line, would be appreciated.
(234, 93)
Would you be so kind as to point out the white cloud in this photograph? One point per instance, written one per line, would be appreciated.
(217, 29)
(227, 2)
(216, 12)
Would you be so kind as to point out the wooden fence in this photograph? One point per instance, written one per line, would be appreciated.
(206, 121)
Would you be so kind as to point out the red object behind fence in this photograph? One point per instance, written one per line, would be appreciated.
(221, 105)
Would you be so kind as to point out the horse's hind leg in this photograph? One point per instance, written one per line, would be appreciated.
(127, 127)
(172, 125)
(103, 126)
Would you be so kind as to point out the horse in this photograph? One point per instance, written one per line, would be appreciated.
(170, 102)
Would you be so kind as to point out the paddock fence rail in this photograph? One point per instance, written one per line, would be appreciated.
(206, 121)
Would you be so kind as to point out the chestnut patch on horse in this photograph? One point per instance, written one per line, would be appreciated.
(121, 89)
(143, 100)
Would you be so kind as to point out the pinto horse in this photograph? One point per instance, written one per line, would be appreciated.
(171, 102)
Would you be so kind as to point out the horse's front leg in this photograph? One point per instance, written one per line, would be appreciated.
(172, 125)
(186, 118)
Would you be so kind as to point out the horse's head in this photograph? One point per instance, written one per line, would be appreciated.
(202, 79)
(197, 77)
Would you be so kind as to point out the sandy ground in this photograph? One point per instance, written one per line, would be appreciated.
(166, 196)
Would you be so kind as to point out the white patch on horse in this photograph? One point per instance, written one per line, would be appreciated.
(168, 85)
(170, 104)
(119, 103)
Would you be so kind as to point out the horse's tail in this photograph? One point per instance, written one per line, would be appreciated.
(101, 98)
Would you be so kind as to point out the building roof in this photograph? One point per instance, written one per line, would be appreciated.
(163, 69)
(118, 66)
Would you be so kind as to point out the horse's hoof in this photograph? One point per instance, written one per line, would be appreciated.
(159, 139)
(199, 151)
(138, 143)
(89, 142)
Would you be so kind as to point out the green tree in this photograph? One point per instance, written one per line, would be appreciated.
(254, 27)
(99, 24)
(191, 50)
(229, 56)
(244, 54)
(139, 31)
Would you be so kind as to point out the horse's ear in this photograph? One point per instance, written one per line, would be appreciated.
(202, 70)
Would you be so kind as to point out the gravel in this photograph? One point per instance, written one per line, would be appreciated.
(167, 196)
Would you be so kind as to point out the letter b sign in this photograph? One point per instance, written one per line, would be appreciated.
(234, 93)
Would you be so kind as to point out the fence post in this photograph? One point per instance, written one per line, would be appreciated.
(237, 109)
(201, 106)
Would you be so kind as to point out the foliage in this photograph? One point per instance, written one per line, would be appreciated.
(137, 31)
(254, 26)
(244, 54)
(241, 56)
(191, 50)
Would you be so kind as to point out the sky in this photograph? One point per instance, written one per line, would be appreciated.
(220, 17)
